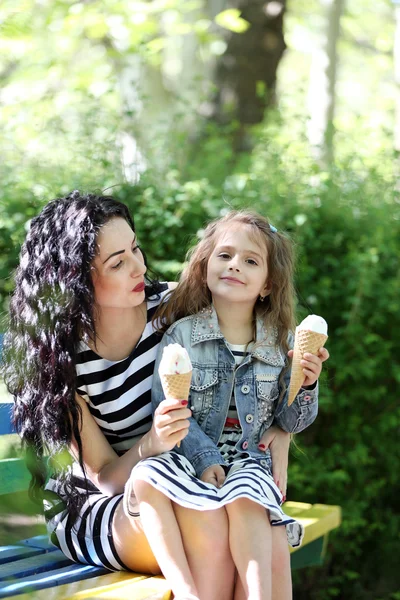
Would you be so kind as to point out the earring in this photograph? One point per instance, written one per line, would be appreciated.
(262, 298)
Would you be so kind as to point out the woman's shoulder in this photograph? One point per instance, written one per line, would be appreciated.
(158, 293)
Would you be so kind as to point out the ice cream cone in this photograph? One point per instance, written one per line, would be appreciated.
(305, 341)
(176, 386)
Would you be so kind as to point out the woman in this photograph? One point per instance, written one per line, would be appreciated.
(79, 357)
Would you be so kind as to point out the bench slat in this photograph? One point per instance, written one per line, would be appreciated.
(14, 476)
(39, 541)
(34, 564)
(151, 588)
(43, 580)
(5, 418)
(318, 519)
(68, 590)
(13, 553)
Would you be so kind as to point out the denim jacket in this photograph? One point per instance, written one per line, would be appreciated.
(254, 383)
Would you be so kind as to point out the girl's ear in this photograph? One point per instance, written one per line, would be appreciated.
(267, 289)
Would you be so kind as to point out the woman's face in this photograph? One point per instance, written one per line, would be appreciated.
(118, 269)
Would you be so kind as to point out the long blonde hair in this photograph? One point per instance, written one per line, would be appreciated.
(192, 294)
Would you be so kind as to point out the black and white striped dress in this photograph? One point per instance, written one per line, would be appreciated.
(118, 394)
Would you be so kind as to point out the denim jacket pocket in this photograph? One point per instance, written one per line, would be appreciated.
(267, 395)
(202, 391)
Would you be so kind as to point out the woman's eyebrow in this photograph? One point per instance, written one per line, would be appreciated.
(119, 251)
(113, 254)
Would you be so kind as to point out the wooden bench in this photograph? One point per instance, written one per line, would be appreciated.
(31, 566)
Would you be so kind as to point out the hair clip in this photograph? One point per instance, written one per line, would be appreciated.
(272, 228)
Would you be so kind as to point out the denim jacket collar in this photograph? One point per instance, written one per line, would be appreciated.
(205, 327)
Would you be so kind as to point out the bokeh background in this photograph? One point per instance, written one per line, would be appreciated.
(184, 109)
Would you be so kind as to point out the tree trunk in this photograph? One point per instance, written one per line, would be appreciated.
(246, 72)
(322, 86)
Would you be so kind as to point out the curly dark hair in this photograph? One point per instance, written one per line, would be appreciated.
(51, 309)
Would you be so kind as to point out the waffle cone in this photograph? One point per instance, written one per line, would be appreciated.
(304, 341)
(176, 385)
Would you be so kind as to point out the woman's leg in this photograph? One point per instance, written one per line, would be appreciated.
(281, 573)
(206, 542)
(250, 543)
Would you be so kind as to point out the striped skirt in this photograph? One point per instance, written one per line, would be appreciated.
(174, 476)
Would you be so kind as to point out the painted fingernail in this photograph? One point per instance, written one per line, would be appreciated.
(184, 402)
(261, 446)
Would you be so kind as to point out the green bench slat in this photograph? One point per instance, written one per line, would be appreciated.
(14, 476)
(67, 574)
(310, 555)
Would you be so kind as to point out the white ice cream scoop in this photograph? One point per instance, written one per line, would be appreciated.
(175, 360)
(314, 323)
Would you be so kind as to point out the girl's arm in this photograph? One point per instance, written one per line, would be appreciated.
(304, 409)
(196, 446)
(108, 471)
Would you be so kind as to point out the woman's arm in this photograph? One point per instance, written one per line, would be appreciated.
(108, 471)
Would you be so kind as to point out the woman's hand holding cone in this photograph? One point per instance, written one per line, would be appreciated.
(170, 425)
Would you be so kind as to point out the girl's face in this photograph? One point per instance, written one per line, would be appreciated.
(118, 269)
(237, 270)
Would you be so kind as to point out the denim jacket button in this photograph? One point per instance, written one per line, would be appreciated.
(245, 389)
(263, 462)
(249, 418)
(245, 445)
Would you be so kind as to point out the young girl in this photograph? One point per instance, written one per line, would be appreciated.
(235, 309)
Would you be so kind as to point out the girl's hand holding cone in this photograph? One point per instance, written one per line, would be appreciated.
(312, 365)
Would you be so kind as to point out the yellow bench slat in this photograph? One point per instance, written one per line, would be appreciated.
(130, 589)
(318, 519)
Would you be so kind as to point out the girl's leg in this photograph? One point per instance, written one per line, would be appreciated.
(206, 541)
(164, 536)
(250, 543)
(281, 573)
(240, 594)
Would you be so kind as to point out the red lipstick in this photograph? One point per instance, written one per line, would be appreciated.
(140, 287)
